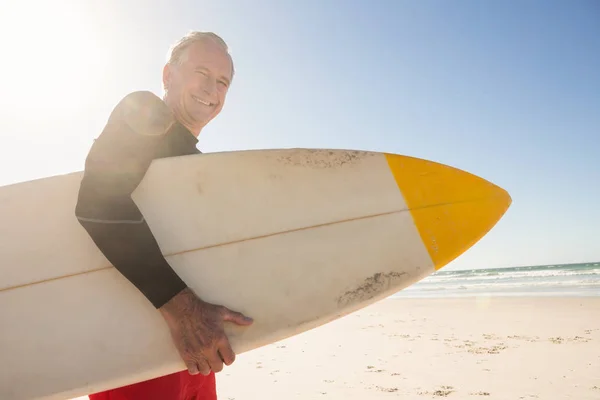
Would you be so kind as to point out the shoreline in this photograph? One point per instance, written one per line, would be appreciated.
(558, 280)
(516, 295)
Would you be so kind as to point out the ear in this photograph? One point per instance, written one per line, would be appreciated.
(166, 78)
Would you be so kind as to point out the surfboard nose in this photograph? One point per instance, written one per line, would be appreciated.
(452, 209)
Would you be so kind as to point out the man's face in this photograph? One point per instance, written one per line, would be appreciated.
(196, 88)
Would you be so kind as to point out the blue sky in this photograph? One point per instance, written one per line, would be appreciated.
(507, 90)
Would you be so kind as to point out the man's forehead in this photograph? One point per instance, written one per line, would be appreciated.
(209, 53)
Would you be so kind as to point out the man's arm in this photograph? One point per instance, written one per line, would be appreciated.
(114, 168)
(115, 165)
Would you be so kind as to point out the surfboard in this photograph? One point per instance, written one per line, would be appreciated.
(294, 238)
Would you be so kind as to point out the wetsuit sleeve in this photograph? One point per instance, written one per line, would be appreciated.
(114, 167)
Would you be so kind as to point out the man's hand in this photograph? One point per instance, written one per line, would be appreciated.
(197, 331)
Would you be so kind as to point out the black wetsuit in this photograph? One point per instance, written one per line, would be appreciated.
(139, 130)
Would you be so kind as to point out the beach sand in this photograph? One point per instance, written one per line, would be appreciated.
(462, 348)
(415, 349)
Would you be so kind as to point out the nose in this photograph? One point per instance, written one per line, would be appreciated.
(209, 86)
(451, 209)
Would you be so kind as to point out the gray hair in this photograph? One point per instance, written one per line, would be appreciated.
(178, 52)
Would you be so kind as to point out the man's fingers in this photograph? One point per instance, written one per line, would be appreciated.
(203, 367)
(192, 367)
(236, 317)
(200, 339)
(227, 354)
(216, 364)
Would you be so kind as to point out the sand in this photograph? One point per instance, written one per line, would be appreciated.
(469, 348)
(416, 349)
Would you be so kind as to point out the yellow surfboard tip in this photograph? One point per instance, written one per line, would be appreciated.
(452, 209)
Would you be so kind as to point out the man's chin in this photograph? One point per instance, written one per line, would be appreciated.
(202, 119)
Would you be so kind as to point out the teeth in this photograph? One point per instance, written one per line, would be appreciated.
(206, 103)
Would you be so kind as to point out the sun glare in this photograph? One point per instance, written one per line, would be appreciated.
(51, 55)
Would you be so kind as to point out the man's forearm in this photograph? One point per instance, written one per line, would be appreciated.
(134, 252)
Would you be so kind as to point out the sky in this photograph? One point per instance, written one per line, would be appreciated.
(507, 90)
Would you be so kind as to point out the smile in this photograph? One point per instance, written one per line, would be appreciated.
(206, 103)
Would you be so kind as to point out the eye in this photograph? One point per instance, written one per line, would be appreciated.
(223, 83)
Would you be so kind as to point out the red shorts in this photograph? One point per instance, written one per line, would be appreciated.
(177, 386)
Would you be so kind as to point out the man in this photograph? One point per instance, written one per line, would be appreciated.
(143, 127)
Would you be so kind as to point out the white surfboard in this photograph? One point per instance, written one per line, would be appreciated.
(293, 238)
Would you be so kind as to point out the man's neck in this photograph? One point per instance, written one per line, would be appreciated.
(195, 132)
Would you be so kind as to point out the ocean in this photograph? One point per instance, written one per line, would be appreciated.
(545, 280)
